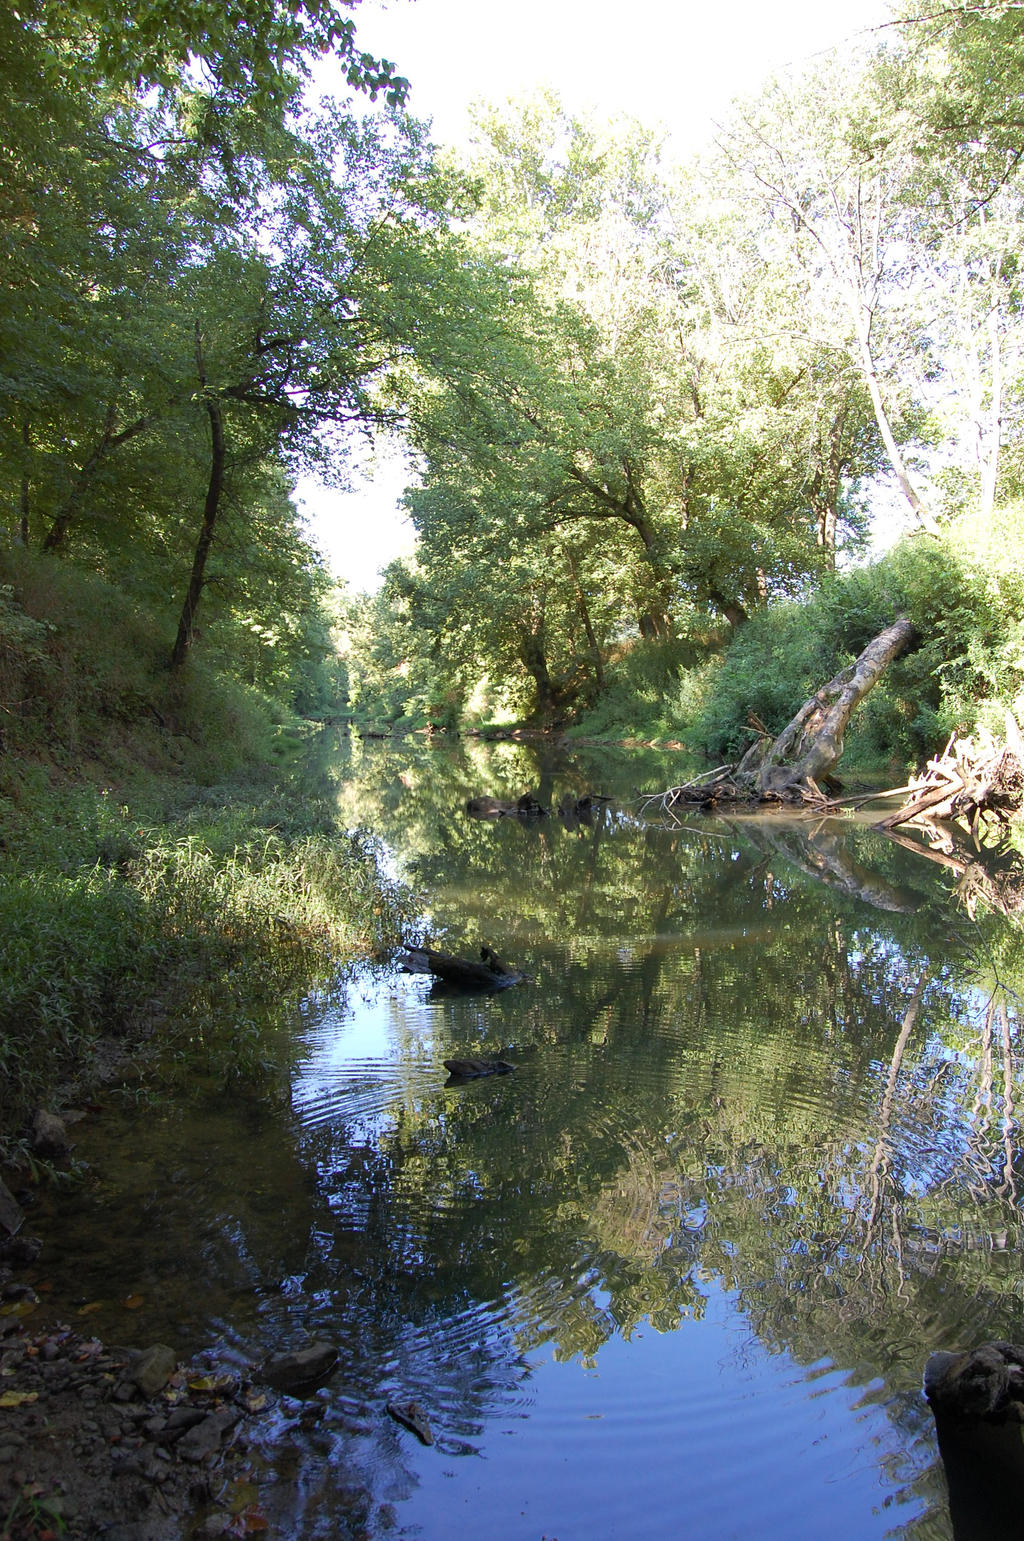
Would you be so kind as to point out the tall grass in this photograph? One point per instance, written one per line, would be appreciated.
(164, 862)
(165, 926)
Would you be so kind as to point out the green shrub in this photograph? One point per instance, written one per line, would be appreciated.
(965, 595)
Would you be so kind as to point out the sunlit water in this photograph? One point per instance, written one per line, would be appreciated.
(679, 1274)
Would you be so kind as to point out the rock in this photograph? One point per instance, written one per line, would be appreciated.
(205, 1438)
(411, 1416)
(289, 1372)
(152, 1369)
(181, 1420)
(988, 1382)
(11, 1214)
(49, 1134)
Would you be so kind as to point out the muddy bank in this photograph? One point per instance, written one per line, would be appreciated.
(101, 1440)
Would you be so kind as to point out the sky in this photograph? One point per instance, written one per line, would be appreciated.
(671, 63)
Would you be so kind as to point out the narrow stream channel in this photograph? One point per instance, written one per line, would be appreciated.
(679, 1273)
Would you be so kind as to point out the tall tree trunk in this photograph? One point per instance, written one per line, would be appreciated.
(581, 600)
(989, 449)
(533, 653)
(896, 460)
(215, 486)
(26, 439)
(826, 487)
(655, 619)
(731, 609)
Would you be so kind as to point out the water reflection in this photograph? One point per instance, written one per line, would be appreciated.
(683, 1268)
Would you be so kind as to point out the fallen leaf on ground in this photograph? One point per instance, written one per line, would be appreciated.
(212, 1383)
(18, 1398)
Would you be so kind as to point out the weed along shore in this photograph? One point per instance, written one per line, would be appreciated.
(177, 882)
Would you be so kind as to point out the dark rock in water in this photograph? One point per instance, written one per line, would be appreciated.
(488, 807)
(988, 1382)
(153, 1368)
(977, 1400)
(49, 1134)
(461, 973)
(303, 1366)
(410, 1415)
(205, 1438)
(470, 1069)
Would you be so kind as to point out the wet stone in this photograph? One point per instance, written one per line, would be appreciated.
(181, 1419)
(205, 1439)
(301, 1367)
(153, 1368)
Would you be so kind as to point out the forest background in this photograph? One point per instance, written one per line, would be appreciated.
(649, 406)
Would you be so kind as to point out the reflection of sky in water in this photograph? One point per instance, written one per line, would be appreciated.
(701, 1431)
(698, 1433)
(366, 1058)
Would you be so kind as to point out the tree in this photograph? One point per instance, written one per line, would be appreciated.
(833, 185)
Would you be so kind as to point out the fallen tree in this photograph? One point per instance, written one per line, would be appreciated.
(789, 767)
(812, 743)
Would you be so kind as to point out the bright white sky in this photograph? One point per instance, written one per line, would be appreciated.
(677, 63)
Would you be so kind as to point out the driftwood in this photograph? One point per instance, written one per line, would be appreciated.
(812, 743)
(461, 973)
(574, 811)
(973, 780)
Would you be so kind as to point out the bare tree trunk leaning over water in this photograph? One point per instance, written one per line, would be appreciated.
(812, 742)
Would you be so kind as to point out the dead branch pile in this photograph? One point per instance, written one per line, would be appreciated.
(974, 779)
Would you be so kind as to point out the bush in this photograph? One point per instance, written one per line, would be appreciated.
(965, 595)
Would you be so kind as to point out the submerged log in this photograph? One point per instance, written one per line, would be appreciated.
(461, 973)
(525, 807)
(472, 1069)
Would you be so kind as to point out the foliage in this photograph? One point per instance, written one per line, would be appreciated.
(158, 902)
(964, 596)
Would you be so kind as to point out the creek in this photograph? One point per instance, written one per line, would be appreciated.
(680, 1272)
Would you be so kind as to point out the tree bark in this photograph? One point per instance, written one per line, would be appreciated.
(215, 486)
(812, 742)
(186, 623)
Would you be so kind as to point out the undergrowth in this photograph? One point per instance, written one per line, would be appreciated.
(166, 865)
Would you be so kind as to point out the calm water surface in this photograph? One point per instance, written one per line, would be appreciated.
(679, 1274)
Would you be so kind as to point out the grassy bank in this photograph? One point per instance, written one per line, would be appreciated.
(165, 860)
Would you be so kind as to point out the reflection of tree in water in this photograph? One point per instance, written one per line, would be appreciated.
(751, 1055)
